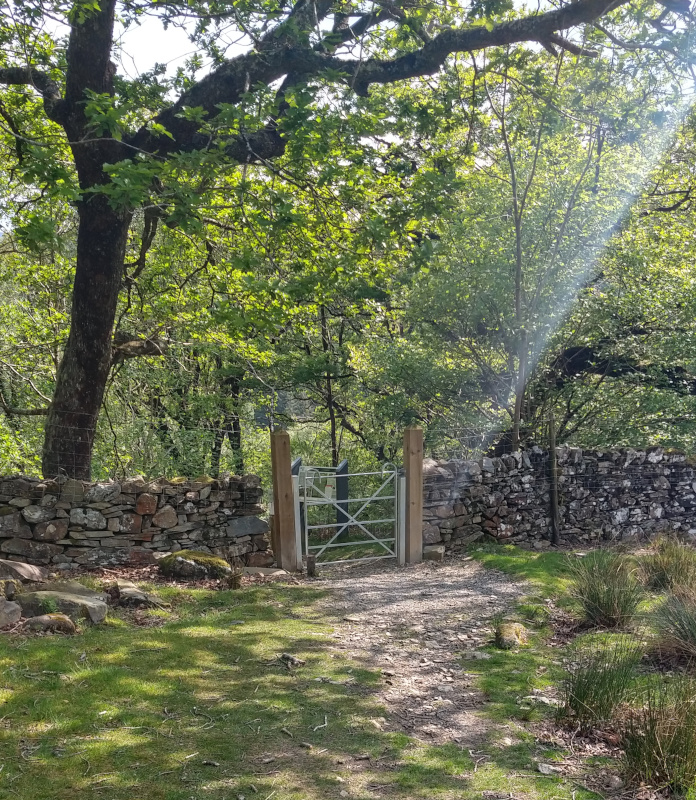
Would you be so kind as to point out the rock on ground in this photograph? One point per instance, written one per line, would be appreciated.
(55, 623)
(76, 606)
(509, 635)
(10, 613)
(22, 572)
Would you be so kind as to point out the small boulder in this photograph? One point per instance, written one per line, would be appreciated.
(146, 503)
(434, 552)
(53, 623)
(261, 558)
(193, 564)
(75, 606)
(27, 573)
(73, 491)
(509, 635)
(10, 613)
(126, 593)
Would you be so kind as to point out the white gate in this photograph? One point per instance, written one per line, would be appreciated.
(367, 527)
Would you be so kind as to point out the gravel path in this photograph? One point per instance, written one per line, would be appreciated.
(416, 624)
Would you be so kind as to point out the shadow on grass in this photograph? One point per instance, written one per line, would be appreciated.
(200, 708)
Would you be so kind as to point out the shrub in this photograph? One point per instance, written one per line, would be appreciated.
(598, 680)
(660, 737)
(672, 563)
(605, 585)
(675, 621)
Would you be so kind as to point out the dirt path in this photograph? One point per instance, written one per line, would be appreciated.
(415, 624)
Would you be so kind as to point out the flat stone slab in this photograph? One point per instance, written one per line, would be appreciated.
(263, 571)
(73, 587)
(75, 606)
(27, 573)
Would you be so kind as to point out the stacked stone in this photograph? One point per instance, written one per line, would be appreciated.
(620, 494)
(71, 523)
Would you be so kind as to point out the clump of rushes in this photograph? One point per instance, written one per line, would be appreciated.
(606, 587)
(671, 563)
(660, 737)
(675, 621)
(598, 680)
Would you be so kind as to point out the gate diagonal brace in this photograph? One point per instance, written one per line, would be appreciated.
(352, 519)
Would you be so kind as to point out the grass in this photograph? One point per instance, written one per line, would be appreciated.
(549, 572)
(599, 680)
(660, 741)
(187, 703)
(671, 563)
(675, 622)
(653, 713)
(606, 588)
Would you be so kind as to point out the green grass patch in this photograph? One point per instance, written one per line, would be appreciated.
(138, 711)
(547, 571)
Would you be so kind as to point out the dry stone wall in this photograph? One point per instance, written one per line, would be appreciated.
(69, 523)
(621, 494)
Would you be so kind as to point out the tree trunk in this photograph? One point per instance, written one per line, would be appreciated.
(84, 369)
(519, 392)
(326, 344)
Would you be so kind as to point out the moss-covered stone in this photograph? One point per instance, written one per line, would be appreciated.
(509, 635)
(189, 564)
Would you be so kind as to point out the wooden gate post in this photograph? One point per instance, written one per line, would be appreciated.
(283, 503)
(413, 466)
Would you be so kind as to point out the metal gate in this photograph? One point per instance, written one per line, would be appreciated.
(367, 525)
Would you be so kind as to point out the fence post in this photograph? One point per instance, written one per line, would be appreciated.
(413, 466)
(342, 492)
(283, 502)
(553, 481)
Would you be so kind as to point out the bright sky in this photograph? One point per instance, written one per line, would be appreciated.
(147, 44)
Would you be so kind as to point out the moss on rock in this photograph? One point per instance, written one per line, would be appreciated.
(194, 564)
(509, 635)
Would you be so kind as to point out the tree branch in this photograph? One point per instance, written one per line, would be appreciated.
(280, 53)
(43, 83)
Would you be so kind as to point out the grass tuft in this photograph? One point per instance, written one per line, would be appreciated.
(606, 587)
(599, 679)
(671, 563)
(660, 738)
(675, 621)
